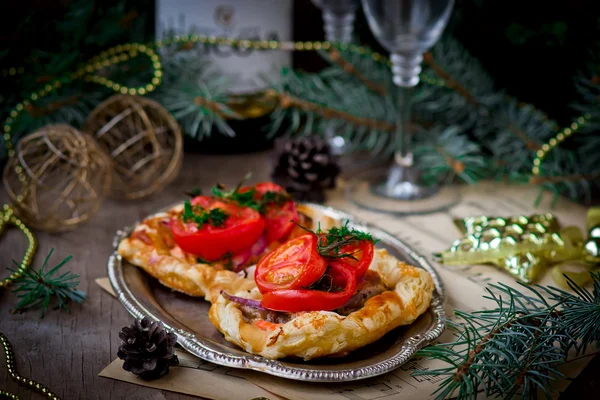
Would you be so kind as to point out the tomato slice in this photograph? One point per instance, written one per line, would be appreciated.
(279, 218)
(362, 252)
(242, 228)
(294, 264)
(296, 300)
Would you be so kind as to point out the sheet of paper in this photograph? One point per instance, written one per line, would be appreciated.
(197, 378)
(464, 286)
(104, 283)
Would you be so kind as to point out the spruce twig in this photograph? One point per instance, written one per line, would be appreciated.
(37, 288)
(516, 347)
(288, 101)
(348, 67)
(450, 81)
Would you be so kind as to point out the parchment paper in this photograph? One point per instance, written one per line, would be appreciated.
(464, 289)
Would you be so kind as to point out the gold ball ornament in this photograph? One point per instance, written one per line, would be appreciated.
(57, 178)
(143, 140)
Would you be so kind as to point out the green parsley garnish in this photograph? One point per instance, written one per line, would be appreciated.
(334, 239)
(248, 198)
(215, 216)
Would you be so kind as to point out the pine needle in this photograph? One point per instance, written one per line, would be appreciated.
(515, 349)
(36, 289)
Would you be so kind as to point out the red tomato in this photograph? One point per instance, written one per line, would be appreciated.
(279, 218)
(294, 264)
(296, 300)
(242, 228)
(362, 252)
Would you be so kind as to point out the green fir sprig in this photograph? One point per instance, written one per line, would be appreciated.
(36, 289)
(516, 347)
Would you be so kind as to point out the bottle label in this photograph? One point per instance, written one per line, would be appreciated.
(240, 19)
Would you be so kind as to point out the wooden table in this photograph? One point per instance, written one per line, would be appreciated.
(66, 352)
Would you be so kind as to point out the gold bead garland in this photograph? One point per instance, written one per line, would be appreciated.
(7, 216)
(555, 141)
(112, 56)
(12, 371)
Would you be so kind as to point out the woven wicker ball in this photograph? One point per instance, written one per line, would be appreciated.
(143, 140)
(57, 178)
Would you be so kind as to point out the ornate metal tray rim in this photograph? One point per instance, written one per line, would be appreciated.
(204, 350)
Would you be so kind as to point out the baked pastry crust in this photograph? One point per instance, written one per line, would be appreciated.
(324, 333)
(152, 248)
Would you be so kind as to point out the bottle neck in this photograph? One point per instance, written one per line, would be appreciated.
(338, 26)
(406, 69)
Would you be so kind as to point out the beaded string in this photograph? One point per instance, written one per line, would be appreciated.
(113, 56)
(12, 371)
(555, 141)
(7, 216)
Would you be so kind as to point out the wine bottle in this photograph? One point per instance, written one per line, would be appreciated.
(247, 69)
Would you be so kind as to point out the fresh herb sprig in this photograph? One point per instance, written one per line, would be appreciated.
(36, 289)
(215, 216)
(248, 197)
(331, 242)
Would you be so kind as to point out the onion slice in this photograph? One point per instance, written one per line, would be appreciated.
(243, 301)
(259, 246)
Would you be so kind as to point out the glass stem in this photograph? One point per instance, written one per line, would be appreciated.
(406, 69)
(404, 156)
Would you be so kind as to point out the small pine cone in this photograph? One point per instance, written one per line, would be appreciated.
(305, 167)
(148, 349)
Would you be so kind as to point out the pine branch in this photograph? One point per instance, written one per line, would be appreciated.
(37, 288)
(196, 95)
(516, 132)
(321, 104)
(516, 347)
(287, 101)
(348, 67)
(448, 153)
(468, 98)
(450, 81)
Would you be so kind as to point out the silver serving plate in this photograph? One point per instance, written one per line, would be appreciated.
(187, 316)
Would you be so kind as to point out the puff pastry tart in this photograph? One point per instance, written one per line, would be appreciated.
(390, 293)
(157, 246)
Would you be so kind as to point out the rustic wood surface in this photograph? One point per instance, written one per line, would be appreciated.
(66, 352)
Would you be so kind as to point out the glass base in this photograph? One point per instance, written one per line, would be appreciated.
(380, 190)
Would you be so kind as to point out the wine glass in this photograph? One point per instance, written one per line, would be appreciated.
(407, 29)
(338, 24)
(338, 18)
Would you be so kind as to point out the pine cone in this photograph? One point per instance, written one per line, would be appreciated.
(148, 349)
(305, 167)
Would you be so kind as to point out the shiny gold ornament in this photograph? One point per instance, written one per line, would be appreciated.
(522, 245)
(143, 140)
(57, 178)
